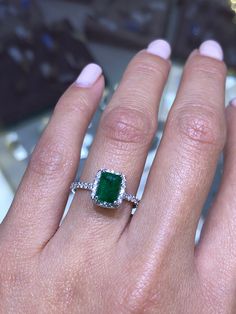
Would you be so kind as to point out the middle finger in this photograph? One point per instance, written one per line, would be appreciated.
(186, 160)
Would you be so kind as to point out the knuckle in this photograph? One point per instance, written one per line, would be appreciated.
(147, 67)
(64, 291)
(128, 126)
(12, 276)
(141, 297)
(209, 68)
(200, 127)
(73, 105)
(49, 159)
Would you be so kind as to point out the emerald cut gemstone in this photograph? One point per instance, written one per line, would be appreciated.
(109, 187)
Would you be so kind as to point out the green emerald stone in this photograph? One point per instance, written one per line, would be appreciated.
(109, 186)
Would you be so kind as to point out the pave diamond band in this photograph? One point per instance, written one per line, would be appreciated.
(108, 189)
(81, 185)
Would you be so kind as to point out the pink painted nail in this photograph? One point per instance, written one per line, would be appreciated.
(233, 102)
(89, 75)
(212, 49)
(160, 48)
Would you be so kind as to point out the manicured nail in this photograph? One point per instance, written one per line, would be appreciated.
(212, 49)
(160, 48)
(233, 102)
(89, 75)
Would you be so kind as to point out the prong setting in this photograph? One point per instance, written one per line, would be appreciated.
(121, 194)
(111, 192)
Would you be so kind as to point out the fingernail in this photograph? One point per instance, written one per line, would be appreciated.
(160, 48)
(89, 75)
(212, 49)
(233, 102)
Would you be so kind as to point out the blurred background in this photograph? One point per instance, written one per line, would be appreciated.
(44, 45)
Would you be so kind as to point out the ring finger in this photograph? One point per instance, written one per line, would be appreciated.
(125, 132)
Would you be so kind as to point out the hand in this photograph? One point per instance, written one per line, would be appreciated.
(101, 260)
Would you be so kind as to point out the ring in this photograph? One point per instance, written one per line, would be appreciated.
(108, 189)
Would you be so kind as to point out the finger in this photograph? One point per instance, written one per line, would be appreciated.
(186, 160)
(40, 200)
(217, 246)
(125, 132)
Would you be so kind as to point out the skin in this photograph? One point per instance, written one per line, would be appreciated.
(101, 261)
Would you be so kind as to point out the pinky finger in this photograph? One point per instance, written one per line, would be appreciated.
(39, 203)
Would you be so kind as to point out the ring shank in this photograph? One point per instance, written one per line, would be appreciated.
(81, 185)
